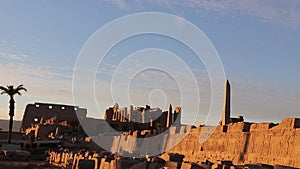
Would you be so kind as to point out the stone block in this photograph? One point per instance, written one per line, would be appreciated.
(290, 123)
(172, 130)
(104, 164)
(171, 165)
(182, 129)
(240, 126)
(261, 126)
(113, 164)
(186, 166)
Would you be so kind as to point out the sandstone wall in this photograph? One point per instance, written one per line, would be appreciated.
(150, 145)
(245, 143)
(242, 143)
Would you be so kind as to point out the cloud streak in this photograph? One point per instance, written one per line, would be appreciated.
(43, 84)
(120, 3)
(12, 56)
(286, 13)
(275, 11)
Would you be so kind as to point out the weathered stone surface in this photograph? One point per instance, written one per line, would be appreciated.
(277, 145)
(290, 123)
(262, 144)
(171, 165)
(216, 166)
(186, 166)
(240, 126)
(261, 126)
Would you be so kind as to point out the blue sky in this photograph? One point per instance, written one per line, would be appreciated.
(257, 41)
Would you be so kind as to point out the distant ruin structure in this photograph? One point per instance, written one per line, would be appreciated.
(40, 113)
(47, 120)
(232, 142)
(142, 118)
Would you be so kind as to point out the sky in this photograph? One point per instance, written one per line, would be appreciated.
(257, 43)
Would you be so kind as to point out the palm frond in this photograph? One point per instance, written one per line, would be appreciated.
(3, 88)
(4, 92)
(10, 90)
(20, 87)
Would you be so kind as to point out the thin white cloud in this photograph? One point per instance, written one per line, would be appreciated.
(23, 70)
(276, 11)
(43, 85)
(286, 13)
(120, 3)
(13, 56)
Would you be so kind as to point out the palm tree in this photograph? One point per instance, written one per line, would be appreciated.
(11, 91)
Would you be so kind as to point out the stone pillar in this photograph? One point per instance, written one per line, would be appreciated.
(130, 113)
(226, 104)
(169, 117)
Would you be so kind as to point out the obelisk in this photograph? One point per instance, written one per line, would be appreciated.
(226, 104)
(169, 116)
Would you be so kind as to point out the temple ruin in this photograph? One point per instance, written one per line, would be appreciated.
(232, 143)
(142, 118)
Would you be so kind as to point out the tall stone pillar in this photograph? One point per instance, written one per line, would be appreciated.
(226, 104)
(169, 116)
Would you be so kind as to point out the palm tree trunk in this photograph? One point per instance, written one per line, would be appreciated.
(11, 119)
(10, 129)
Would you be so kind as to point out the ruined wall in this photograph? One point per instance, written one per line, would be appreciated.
(245, 143)
(241, 143)
(40, 112)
